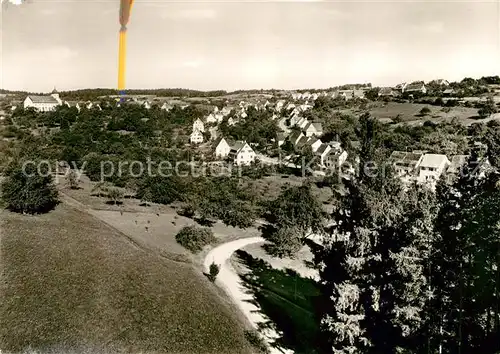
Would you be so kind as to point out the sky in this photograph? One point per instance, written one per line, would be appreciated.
(230, 45)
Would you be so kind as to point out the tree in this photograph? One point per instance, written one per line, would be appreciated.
(372, 268)
(487, 109)
(295, 214)
(223, 199)
(284, 242)
(73, 180)
(213, 272)
(372, 94)
(194, 238)
(464, 265)
(115, 195)
(27, 191)
(424, 111)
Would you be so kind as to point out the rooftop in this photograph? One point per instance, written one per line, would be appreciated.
(43, 99)
(433, 160)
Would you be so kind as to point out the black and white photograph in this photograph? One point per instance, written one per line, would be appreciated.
(249, 177)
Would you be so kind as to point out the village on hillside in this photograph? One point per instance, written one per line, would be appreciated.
(278, 199)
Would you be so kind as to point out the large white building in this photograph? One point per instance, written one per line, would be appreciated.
(43, 103)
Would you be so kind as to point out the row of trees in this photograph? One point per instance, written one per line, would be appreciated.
(406, 270)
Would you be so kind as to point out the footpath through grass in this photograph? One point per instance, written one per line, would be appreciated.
(289, 301)
(71, 284)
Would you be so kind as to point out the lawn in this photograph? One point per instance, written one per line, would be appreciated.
(289, 301)
(410, 112)
(71, 284)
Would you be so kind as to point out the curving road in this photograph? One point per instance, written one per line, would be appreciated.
(230, 281)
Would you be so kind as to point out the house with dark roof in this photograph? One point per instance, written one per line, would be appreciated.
(386, 92)
(241, 153)
(405, 163)
(416, 87)
(43, 103)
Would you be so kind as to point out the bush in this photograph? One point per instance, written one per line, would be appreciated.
(425, 111)
(29, 192)
(213, 272)
(195, 238)
(254, 338)
(187, 210)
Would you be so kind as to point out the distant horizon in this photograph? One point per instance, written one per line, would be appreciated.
(245, 89)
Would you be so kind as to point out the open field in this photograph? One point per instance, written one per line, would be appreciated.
(410, 112)
(70, 281)
(152, 227)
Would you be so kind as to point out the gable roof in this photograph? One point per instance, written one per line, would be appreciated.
(417, 85)
(237, 145)
(316, 126)
(404, 157)
(295, 135)
(43, 99)
(302, 141)
(312, 140)
(433, 160)
(385, 91)
(322, 149)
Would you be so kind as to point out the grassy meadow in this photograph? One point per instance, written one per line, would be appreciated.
(72, 284)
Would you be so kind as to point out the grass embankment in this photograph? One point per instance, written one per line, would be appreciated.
(287, 299)
(71, 284)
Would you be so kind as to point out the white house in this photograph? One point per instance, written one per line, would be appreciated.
(279, 105)
(213, 132)
(295, 137)
(313, 128)
(322, 153)
(43, 103)
(417, 86)
(222, 148)
(314, 143)
(198, 125)
(241, 153)
(334, 158)
(211, 118)
(431, 167)
(196, 137)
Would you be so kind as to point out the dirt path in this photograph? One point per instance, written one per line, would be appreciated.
(229, 280)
